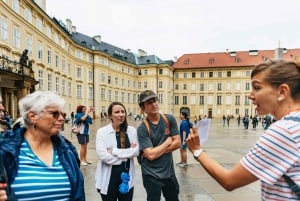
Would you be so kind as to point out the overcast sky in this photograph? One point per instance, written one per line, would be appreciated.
(169, 28)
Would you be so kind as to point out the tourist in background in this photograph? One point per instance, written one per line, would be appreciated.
(83, 118)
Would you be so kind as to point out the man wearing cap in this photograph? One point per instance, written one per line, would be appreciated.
(158, 137)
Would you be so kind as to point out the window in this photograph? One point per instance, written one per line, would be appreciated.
(29, 43)
(201, 100)
(41, 79)
(57, 84)
(184, 100)
(49, 82)
(237, 100)
(4, 26)
(193, 74)
(176, 75)
(28, 15)
(78, 72)
(109, 79)
(176, 100)
(247, 101)
(219, 86)
(63, 87)
(228, 73)
(69, 88)
(176, 87)
(247, 86)
(248, 73)
(17, 37)
(139, 85)
(160, 84)
(210, 74)
(91, 92)
(56, 60)
(90, 75)
(128, 98)
(160, 71)
(109, 95)
(184, 86)
(219, 74)
(201, 87)
(49, 56)
(102, 77)
(16, 6)
(48, 31)
(116, 81)
(201, 74)
(123, 97)
(185, 75)
(160, 98)
(78, 91)
(102, 94)
(55, 38)
(39, 24)
(116, 96)
(63, 64)
(40, 50)
(145, 72)
(219, 100)
(145, 85)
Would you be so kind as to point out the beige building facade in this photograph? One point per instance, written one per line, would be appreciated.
(87, 70)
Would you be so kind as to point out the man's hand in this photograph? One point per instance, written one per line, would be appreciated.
(193, 141)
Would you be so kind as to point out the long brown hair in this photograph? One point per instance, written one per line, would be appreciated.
(123, 126)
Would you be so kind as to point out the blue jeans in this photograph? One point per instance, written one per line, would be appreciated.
(169, 187)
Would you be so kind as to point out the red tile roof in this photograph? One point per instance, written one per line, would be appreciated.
(231, 59)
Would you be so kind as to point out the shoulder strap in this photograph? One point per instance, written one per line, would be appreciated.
(166, 120)
(295, 188)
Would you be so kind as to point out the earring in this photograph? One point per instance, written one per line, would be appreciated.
(280, 98)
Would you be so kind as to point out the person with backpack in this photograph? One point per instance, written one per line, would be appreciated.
(275, 157)
(184, 129)
(158, 137)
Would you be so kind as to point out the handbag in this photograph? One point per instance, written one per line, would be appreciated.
(76, 128)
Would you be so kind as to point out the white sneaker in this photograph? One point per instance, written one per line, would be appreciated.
(83, 164)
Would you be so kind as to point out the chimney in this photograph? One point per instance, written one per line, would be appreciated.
(74, 29)
(97, 38)
(142, 53)
(278, 54)
(69, 25)
(175, 59)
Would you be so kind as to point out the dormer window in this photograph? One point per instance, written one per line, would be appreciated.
(187, 61)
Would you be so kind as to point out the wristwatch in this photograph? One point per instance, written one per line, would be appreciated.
(197, 153)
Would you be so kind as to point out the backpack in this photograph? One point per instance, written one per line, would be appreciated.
(140, 157)
(165, 119)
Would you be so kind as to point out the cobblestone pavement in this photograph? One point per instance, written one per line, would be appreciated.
(227, 145)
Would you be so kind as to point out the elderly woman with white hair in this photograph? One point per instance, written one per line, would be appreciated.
(40, 164)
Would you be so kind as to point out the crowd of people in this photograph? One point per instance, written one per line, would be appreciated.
(35, 154)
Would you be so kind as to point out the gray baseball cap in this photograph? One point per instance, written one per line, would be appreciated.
(146, 95)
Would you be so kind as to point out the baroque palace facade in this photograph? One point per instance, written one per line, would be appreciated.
(38, 52)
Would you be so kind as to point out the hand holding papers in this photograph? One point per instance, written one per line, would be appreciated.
(203, 128)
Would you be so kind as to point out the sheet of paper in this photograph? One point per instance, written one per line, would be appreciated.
(203, 129)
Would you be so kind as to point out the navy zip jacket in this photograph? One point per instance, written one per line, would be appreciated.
(9, 150)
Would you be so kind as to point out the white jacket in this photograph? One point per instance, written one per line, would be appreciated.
(106, 139)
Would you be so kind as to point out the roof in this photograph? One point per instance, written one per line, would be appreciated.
(233, 59)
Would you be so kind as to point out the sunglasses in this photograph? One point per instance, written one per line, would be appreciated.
(55, 114)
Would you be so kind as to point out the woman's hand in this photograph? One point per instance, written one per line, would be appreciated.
(133, 145)
(193, 141)
(3, 196)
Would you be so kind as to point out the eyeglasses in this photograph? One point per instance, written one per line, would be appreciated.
(55, 114)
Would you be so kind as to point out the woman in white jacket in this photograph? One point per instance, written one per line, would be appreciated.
(116, 147)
